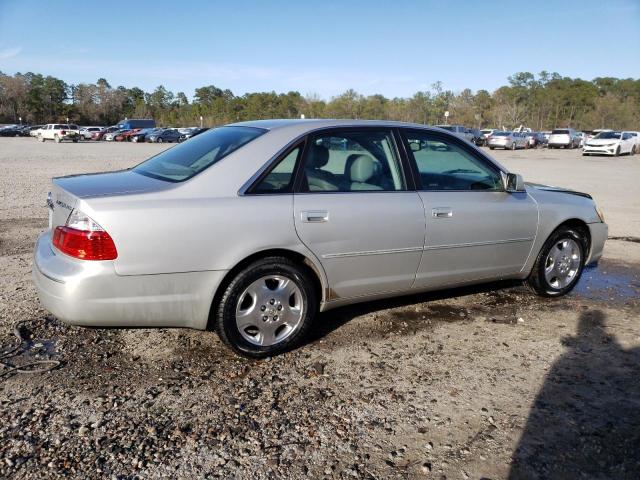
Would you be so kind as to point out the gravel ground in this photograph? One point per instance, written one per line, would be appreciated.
(482, 382)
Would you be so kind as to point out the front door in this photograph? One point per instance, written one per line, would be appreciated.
(353, 210)
(474, 228)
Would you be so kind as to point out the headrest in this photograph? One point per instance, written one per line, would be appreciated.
(318, 156)
(362, 168)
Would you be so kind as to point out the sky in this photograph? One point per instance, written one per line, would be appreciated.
(393, 47)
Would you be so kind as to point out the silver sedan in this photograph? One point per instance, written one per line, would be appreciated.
(252, 228)
(507, 140)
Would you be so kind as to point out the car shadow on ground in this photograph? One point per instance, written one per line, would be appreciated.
(332, 320)
(585, 421)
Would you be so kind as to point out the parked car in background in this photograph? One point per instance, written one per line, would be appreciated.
(461, 131)
(307, 228)
(165, 135)
(33, 130)
(476, 136)
(192, 133)
(506, 140)
(11, 131)
(611, 143)
(564, 138)
(486, 132)
(126, 136)
(110, 137)
(582, 137)
(535, 139)
(86, 133)
(139, 136)
(100, 134)
(636, 139)
(546, 135)
(59, 132)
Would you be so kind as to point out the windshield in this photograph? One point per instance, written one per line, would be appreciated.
(560, 132)
(190, 158)
(608, 135)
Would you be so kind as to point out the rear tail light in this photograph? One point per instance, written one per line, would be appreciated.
(62, 132)
(83, 238)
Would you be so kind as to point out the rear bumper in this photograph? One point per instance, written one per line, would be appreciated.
(599, 233)
(90, 293)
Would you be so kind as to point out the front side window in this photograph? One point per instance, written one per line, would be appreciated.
(442, 164)
(190, 158)
(352, 161)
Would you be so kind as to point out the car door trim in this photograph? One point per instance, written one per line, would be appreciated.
(477, 244)
(373, 252)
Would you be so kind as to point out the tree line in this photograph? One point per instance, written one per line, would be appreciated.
(542, 102)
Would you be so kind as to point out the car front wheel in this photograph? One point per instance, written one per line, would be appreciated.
(560, 263)
(267, 308)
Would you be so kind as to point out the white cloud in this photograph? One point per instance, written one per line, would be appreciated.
(9, 52)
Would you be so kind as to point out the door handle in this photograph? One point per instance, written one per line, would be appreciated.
(441, 212)
(315, 216)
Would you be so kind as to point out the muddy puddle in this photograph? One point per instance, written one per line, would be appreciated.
(610, 281)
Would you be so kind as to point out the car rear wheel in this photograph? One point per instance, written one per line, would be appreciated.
(267, 308)
(40, 138)
(633, 150)
(560, 263)
(513, 146)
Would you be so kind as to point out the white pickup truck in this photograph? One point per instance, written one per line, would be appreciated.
(58, 132)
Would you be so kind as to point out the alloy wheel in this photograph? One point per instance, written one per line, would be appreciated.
(562, 263)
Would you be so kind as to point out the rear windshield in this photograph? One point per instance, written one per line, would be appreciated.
(610, 135)
(560, 132)
(59, 127)
(190, 158)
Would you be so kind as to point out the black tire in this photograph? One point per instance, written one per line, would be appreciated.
(491, 148)
(513, 146)
(224, 321)
(633, 150)
(537, 280)
(159, 140)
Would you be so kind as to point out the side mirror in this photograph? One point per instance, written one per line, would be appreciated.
(514, 183)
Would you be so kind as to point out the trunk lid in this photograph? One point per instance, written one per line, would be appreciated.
(67, 191)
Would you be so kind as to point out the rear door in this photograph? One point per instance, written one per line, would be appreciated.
(354, 210)
(474, 229)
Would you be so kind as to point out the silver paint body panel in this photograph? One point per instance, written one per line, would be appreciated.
(176, 242)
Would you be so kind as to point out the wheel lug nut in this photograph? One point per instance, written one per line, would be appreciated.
(275, 318)
(263, 308)
(279, 307)
(265, 318)
(272, 301)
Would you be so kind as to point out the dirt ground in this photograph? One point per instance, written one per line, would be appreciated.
(486, 382)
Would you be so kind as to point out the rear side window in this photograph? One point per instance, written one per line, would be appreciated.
(352, 161)
(190, 158)
(280, 178)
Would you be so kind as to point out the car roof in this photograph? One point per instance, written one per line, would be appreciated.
(301, 126)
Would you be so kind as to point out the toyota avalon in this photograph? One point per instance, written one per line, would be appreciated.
(253, 228)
